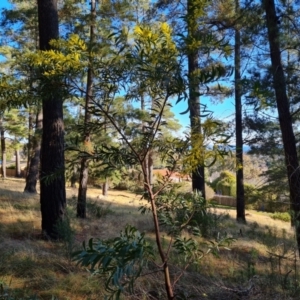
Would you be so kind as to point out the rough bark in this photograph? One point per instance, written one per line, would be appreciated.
(3, 149)
(33, 170)
(53, 194)
(198, 178)
(82, 190)
(285, 118)
(84, 166)
(74, 177)
(240, 193)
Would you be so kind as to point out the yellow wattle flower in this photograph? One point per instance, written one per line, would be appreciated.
(138, 30)
(165, 28)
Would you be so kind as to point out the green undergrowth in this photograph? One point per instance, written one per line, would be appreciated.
(283, 216)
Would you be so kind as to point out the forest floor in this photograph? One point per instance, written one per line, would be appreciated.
(261, 264)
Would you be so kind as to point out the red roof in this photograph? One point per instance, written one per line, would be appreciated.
(164, 172)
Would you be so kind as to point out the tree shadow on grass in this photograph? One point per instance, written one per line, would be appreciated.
(7, 193)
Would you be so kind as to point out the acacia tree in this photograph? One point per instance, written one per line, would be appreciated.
(151, 55)
(53, 194)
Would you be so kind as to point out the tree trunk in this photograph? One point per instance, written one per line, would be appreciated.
(105, 187)
(33, 170)
(240, 193)
(84, 172)
(82, 190)
(146, 160)
(285, 118)
(198, 178)
(18, 166)
(74, 177)
(30, 141)
(53, 193)
(3, 149)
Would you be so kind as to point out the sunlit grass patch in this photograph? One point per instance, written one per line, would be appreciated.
(263, 254)
(286, 217)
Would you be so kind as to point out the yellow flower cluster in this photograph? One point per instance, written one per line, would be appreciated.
(160, 36)
(65, 57)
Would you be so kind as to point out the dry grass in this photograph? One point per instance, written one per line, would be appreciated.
(260, 265)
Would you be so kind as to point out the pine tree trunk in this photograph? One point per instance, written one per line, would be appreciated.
(198, 178)
(285, 118)
(3, 149)
(240, 193)
(18, 166)
(74, 177)
(82, 190)
(30, 141)
(84, 171)
(53, 193)
(33, 170)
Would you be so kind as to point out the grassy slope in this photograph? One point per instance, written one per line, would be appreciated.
(260, 265)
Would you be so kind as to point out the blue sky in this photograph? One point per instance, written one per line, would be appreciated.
(4, 4)
(220, 111)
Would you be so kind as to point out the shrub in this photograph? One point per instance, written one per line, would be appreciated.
(209, 192)
(11, 167)
(119, 260)
(190, 209)
(193, 207)
(225, 184)
(283, 216)
(131, 180)
(122, 186)
(274, 206)
(174, 188)
(252, 196)
(66, 234)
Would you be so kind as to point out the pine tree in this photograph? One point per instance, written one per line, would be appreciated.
(53, 194)
(83, 175)
(285, 118)
(25, 38)
(33, 171)
(13, 124)
(198, 175)
(240, 193)
(3, 147)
